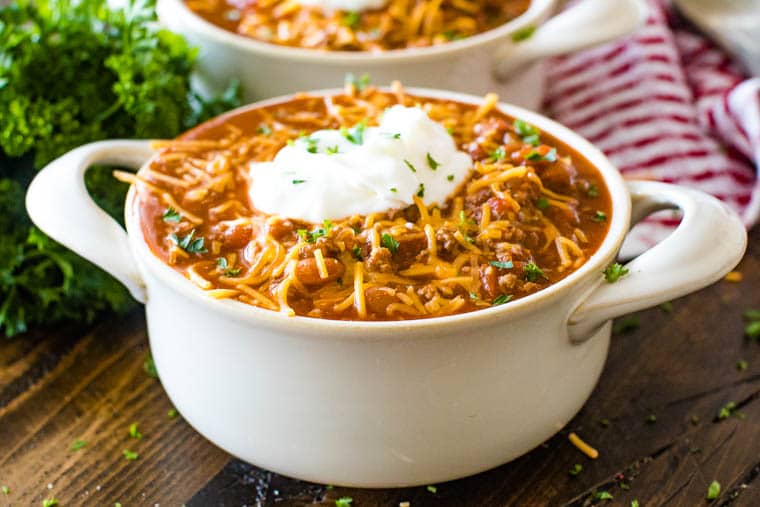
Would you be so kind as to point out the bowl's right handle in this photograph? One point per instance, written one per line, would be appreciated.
(707, 244)
(59, 204)
(590, 23)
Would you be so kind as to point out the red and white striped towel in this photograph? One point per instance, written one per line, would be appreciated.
(665, 104)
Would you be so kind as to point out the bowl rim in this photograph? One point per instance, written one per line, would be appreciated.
(253, 315)
(537, 12)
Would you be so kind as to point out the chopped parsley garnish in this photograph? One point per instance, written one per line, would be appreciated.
(551, 156)
(332, 150)
(614, 272)
(727, 410)
(634, 503)
(359, 83)
(752, 329)
(290, 142)
(651, 419)
(713, 491)
(344, 501)
(666, 307)
(742, 365)
(189, 244)
(171, 215)
(450, 177)
(312, 145)
(172, 413)
(264, 130)
(77, 445)
(221, 263)
(312, 236)
(130, 455)
(464, 222)
(524, 33)
(604, 495)
(389, 242)
(502, 299)
(356, 134)
(498, 154)
(357, 252)
(502, 264)
(528, 133)
(432, 489)
(50, 502)
(351, 19)
(298, 182)
(626, 325)
(391, 135)
(421, 190)
(231, 272)
(752, 314)
(474, 296)
(593, 190)
(149, 366)
(542, 203)
(6, 490)
(133, 431)
(533, 272)
(577, 468)
(600, 216)
(394, 189)
(432, 163)
(410, 166)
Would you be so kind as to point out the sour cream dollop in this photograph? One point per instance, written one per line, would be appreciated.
(344, 5)
(334, 174)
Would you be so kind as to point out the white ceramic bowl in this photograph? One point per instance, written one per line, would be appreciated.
(381, 404)
(485, 62)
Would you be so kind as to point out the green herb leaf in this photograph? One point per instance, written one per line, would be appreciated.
(357, 253)
(231, 272)
(577, 468)
(171, 215)
(389, 242)
(600, 216)
(502, 264)
(752, 315)
(651, 419)
(77, 445)
(533, 272)
(524, 33)
(713, 490)
(311, 237)
(264, 130)
(528, 133)
(534, 155)
(593, 190)
(49, 502)
(604, 423)
(626, 325)
(149, 366)
(410, 166)
(189, 244)
(432, 489)
(5, 489)
(356, 134)
(394, 189)
(172, 413)
(666, 307)
(221, 263)
(752, 330)
(604, 495)
(450, 177)
(351, 19)
(344, 501)
(432, 163)
(133, 432)
(501, 299)
(742, 365)
(361, 82)
(498, 154)
(634, 503)
(727, 410)
(390, 135)
(298, 182)
(542, 203)
(332, 150)
(421, 190)
(614, 272)
(129, 455)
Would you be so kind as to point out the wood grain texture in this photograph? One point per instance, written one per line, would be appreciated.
(70, 383)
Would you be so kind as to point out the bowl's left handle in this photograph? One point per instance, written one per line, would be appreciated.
(59, 204)
(588, 24)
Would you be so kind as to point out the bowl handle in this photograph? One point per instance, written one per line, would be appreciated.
(589, 23)
(707, 244)
(59, 204)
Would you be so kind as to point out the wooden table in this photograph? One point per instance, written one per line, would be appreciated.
(653, 418)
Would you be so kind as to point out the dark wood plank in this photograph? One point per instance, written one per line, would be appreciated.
(65, 384)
